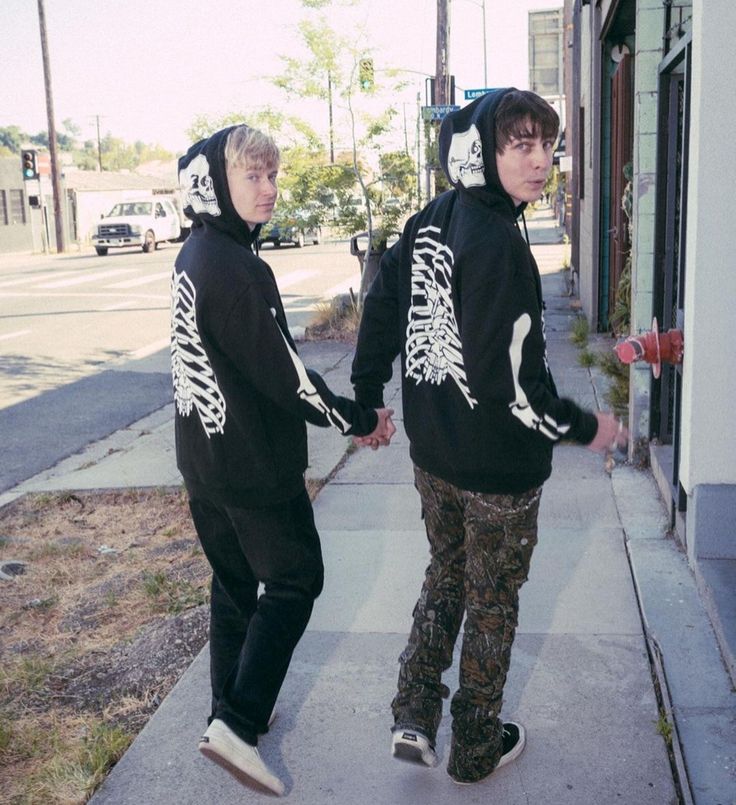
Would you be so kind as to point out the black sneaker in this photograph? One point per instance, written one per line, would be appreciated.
(514, 741)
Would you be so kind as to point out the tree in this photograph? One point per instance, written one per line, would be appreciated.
(308, 185)
(330, 73)
(12, 138)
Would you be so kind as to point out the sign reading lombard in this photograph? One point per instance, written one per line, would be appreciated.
(438, 112)
(470, 94)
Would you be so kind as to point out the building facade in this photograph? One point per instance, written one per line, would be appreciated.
(649, 117)
(27, 207)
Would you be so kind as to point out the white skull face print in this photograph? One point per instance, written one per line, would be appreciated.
(196, 184)
(433, 346)
(465, 158)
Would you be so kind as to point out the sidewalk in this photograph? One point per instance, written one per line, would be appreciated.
(601, 618)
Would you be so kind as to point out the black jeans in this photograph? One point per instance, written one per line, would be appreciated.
(252, 637)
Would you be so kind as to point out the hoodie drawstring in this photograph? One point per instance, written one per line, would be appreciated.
(526, 232)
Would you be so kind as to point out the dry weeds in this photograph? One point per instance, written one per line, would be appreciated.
(108, 611)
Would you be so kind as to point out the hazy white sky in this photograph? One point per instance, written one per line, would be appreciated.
(148, 67)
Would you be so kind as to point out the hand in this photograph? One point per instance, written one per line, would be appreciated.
(611, 435)
(382, 434)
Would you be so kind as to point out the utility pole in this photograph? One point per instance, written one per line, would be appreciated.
(442, 69)
(55, 172)
(99, 144)
(329, 101)
(442, 92)
(485, 47)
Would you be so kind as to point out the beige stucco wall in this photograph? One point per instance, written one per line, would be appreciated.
(708, 451)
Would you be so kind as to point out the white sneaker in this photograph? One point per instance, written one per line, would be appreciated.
(221, 744)
(413, 746)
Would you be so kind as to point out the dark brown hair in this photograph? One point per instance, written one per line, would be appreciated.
(522, 113)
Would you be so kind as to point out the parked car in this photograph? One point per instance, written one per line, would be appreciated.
(280, 232)
(144, 223)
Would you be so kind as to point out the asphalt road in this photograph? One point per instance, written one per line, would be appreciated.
(84, 341)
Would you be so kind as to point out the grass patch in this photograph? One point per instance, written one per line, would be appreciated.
(664, 728)
(587, 358)
(24, 676)
(173, 595)
(79, 768)
(61, 760)
(579, 331)
(617, 394)
(338, 319)
(68, 612)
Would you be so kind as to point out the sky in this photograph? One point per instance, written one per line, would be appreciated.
(147, 68)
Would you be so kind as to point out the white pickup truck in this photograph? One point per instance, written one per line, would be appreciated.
(144, 223)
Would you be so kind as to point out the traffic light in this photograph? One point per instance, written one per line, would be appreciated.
(29, 161)
(365, 74)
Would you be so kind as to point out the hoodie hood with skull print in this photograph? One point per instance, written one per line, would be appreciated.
(459, 298)
(242, 393)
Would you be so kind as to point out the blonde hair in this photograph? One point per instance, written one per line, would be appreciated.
(252, 148)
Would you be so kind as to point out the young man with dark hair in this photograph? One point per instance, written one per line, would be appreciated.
(242, 399)
(459, 297)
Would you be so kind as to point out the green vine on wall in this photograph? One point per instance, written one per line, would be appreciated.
(620, 318)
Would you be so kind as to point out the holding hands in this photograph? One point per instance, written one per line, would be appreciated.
(381, 436)
(611, 435)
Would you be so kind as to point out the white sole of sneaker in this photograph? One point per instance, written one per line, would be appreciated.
(517, 750)
(412, 748)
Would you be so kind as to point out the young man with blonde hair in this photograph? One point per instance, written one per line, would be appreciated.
(243, 397)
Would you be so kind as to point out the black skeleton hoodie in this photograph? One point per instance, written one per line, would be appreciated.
(459, 297)
(242, 394)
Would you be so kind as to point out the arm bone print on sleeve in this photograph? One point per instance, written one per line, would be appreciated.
(307, 390)
(520, 407)
(195, 384)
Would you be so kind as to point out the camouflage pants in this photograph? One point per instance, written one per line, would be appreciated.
(480, 547)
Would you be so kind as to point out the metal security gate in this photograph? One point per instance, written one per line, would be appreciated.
(669, 258)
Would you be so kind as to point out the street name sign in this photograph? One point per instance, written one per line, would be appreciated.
(438, 112)
(470, 94)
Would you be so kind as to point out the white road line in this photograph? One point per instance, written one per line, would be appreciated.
(16, 334)
(83, 295)
(141, 280)
(81, 279)
(144, 352)
(31, 280)
(343, 287)
(295, 276)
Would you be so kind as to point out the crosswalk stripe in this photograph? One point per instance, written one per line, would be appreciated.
(295, 276)
(16, 334)
(140, 280)
(31, 280)
(83, 278)
(150, 349)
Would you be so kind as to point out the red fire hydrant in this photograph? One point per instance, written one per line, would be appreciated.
(653, 347)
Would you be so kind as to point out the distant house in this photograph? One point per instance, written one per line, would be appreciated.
(27, 207)
(91, 195)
